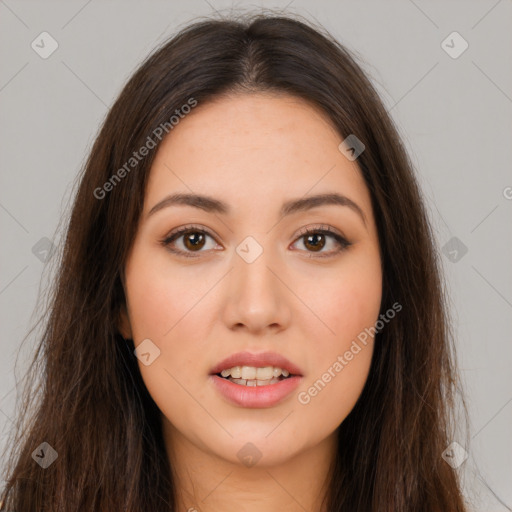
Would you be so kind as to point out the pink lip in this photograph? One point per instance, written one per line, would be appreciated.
(257, 360)
(256, 396)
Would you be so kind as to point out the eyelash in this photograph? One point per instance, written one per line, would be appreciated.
(342, 242)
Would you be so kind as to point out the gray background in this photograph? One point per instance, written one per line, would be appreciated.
(455, 116)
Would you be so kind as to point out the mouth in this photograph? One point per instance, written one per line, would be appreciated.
(252, 376)
(255, 380)
(250, 369)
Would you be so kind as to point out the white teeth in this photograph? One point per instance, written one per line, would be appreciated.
(265, 373)
(249, 373)
(254, 382)
(236, 372)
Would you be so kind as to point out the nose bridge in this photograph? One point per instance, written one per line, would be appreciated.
(256, 299)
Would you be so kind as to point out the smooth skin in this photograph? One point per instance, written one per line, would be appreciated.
(253, 151)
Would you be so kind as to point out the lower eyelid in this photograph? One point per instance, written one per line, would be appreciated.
(168, 241)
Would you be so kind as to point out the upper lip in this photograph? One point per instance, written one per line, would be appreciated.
(258, 360)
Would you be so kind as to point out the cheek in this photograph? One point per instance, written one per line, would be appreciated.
(349, 307)
(160, 298)
(166, 307)
(354, 306)
(345, 302)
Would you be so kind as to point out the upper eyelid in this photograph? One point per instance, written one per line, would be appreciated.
(302, 232)
(185, 229)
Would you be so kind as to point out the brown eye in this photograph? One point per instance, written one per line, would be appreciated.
(194, 240)
(188, 240)
(315, 242)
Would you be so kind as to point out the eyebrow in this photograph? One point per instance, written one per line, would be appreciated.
(210, 204)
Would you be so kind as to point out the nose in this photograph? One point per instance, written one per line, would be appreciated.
(256, 299)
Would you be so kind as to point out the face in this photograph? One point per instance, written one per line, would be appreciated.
(255, 272)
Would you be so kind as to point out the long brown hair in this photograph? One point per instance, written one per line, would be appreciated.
(93, 408)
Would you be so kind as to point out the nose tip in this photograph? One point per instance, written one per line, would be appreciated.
(257, 298)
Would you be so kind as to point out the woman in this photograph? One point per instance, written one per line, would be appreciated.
(249, 310)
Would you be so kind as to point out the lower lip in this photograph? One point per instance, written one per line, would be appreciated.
(256, 396)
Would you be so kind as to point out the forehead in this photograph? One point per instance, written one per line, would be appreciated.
(254, 149)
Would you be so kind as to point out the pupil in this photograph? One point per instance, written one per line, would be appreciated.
(315, 246)
(196, 243)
